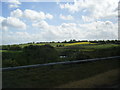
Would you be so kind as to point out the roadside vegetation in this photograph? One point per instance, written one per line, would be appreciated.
(108, 79)
(61, 75)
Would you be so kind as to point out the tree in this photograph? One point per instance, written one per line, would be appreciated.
(64, 41)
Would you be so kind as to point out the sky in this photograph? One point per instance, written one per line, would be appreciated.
(37, 21)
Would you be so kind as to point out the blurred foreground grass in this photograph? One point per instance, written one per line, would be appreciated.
(107, 79)
(55, 76)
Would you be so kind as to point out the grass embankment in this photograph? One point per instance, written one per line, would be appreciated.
(50, 77)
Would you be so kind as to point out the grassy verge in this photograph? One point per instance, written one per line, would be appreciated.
(106, 79)
(54, 76)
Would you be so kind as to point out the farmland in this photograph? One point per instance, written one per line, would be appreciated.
(79, 43)
(16, 55)
(40, 53)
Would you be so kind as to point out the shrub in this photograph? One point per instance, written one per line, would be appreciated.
(40, 54)
(15, 47)
(10, 63)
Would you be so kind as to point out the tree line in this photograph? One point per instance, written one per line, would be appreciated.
(17, 47)
(74, 41)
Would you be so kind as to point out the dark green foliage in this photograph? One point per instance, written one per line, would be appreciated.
(15, 48)
(10, 63)
(10, 58)
(106, 41)
(33, 54)
(64, 41)
(89, 51)
(5, 47)
(39, 54)
(11, 47)
(10, 55)
(74, 54)
(74, 41)
(59, 45)
(104, 52)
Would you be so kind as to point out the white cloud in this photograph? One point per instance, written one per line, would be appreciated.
(16, 37)
(97, 9)
(94, 30)
(68, 17)
(65, 31)
(41, 25)
(1, 20)
(42, 31)
(13, 6)
(31, 14)
(101, 30)
(16, 13)
(87, 19)
(14, 3)
(49, 16)
(11, 22)
(77, 6)
(34, 15)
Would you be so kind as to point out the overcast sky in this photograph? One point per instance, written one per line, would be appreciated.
(23, 22)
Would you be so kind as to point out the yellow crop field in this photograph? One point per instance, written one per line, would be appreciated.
(79, 43)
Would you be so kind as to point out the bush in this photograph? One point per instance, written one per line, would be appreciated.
(10, 63)
(15, 47)
(5, 47)
(39, 54)
(74, 54)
